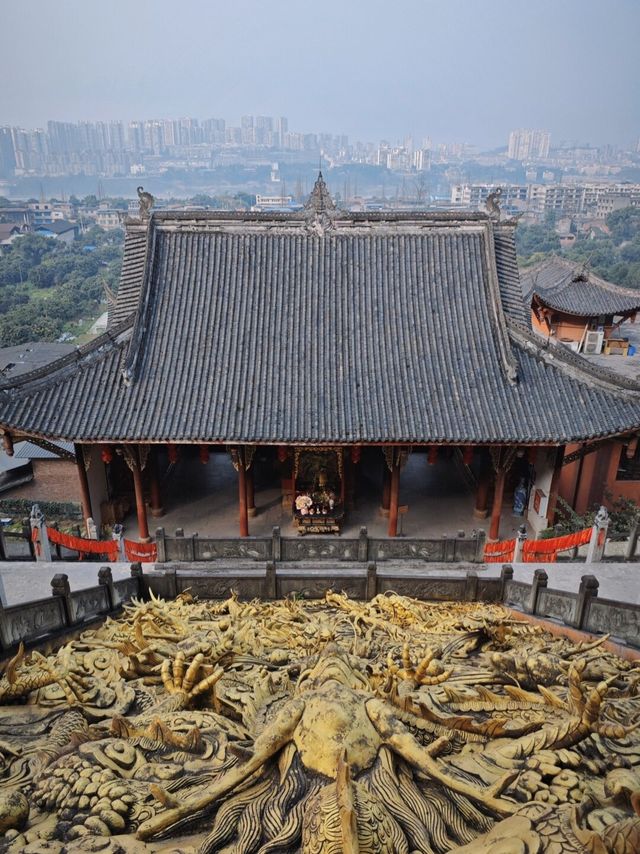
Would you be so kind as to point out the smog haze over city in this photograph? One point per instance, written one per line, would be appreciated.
(457, 71)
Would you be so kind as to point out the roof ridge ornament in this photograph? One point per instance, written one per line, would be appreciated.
(492, 204)
(320, 209)
(146, 202)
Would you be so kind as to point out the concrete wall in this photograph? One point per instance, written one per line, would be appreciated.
(97, 477)
(544, 466)
(597, 476)
(53, 480)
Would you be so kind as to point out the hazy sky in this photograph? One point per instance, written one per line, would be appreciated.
(457, 70)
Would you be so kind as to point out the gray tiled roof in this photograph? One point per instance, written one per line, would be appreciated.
(58, 226)
(31, 451)
(348, 328)
(135, 247)
(568, 287)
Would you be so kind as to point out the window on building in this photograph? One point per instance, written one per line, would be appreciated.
(629, 469)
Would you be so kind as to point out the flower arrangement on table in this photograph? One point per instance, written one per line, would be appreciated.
(303, 504)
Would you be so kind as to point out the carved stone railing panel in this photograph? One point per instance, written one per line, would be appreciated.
(314, 585)
(249, 548)
(489, 590)
(433, 588)
(557, 604)
(403, 549)
(220, 586)
(620, 619)
(319, 548)
(124, 590)
(31, 620)
(89, 603)
(517, 593)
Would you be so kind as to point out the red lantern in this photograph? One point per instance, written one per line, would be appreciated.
(172, 453)
(432, 456)
(204, 454)
(282, 453)
(355, 454)
(106, 454)
(467, 455)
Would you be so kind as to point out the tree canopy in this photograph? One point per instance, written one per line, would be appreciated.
(47, 285)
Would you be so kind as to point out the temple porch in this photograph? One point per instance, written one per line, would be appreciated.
(435, 499)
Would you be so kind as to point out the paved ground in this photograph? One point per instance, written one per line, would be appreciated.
(619, 581)
(25, 581)
(628, 366)
(204, 499)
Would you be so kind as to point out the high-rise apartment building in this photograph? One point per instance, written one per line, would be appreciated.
(527, 144)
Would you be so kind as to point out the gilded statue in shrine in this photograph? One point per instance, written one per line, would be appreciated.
(320, 727)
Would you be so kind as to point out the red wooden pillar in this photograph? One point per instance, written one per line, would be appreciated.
(251, 500)
(386, 490)
(85, 495)
(553, 486)
(141, 507)
(394, 496)
(482, 496)
(498, 494)
(242, 495)
(156, 507)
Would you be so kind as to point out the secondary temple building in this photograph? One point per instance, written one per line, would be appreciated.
(323, 340)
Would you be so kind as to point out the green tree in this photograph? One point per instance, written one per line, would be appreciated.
(624, 224)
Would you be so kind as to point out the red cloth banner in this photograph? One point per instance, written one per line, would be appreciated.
(501, 552)
(141, 552)
(108, 548)
(547, 550)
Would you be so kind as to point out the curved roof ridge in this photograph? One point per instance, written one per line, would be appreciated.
(113, 337)
(167, 215)
(552, 352)
(575, 268)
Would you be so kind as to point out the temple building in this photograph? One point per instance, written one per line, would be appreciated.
(577, 307)
(320, 344)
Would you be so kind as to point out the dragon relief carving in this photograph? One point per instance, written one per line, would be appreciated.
(320, 726)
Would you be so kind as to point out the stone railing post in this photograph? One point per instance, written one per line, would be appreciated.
(92, 529)
(105, 579)
(276, 543)
(271, 582)
(588, 590)
(363, 545)
(595, 551)
(372, 581)
(481, 539)
(3, 594)
(60, 587)
(161, 545)
(27, 534)
(136, 572)
(57, 547)
(117, 536)
(506, 575)
(39, 524)
(632, 542)
(521, 539)
(540, 580)
(471, 586)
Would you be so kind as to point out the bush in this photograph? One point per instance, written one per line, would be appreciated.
(623, 515)
(52, 510)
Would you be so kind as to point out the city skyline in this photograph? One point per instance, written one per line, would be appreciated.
(466, 72)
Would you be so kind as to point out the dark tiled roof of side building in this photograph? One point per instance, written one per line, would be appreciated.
(58, 226)
(568, 287)
(317, 328)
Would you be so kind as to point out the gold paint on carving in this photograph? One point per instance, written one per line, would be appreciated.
(317, 727)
